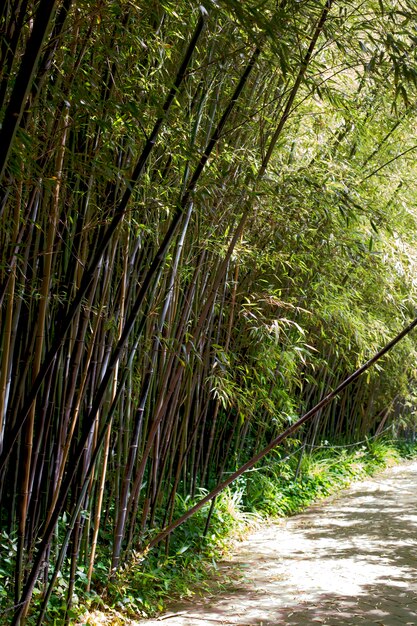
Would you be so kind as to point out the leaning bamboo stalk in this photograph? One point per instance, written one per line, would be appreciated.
(170, 234)
(221, 272)
(276, 135)
(14, 111)
(281, 437)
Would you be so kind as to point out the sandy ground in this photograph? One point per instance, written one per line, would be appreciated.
(349, 560)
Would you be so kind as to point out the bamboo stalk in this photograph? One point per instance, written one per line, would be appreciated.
(23, 82)
(7, 334)
(280, 438)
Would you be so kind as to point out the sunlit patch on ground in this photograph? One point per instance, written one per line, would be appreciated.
(350, 560)
(101, 618)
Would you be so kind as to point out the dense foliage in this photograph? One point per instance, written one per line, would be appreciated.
(206, 221)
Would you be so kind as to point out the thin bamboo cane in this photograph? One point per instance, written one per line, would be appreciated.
(7, 334)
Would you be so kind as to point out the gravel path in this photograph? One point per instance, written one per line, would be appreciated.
(349, 560)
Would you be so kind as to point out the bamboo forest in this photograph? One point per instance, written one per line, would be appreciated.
(208, 222)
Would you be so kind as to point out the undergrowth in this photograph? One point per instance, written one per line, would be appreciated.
(183, 566)
(285, 488)
(281, 488)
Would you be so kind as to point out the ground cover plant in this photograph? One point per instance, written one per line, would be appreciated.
(278, 489)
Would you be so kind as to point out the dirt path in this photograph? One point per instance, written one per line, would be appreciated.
(350, 560)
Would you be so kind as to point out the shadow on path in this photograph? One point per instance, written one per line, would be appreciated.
(349, 560)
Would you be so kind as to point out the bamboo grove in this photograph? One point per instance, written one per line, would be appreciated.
(207, 220)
